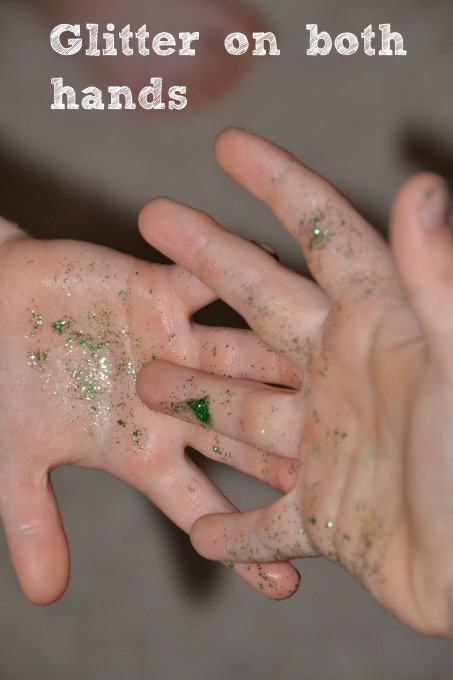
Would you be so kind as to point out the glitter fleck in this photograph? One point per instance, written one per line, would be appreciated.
(37, 359)
(224, 455)
(37, 320)
(136, 434)
(59, 326)
(320, 237)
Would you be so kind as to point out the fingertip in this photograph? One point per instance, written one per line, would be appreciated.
(226, 135)
(148, 214)
(153, 381)
(145, 379)
(227, 142)
(42, 565)
(422, 244)
(39, 590)
(203, 537)
(278, 581)
(413, 195)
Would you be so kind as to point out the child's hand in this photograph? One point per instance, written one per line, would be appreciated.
(372, 423)
(77, 321)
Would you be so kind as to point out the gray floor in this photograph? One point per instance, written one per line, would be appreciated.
(141, 604)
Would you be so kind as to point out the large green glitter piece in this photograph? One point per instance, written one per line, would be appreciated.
(200, 407)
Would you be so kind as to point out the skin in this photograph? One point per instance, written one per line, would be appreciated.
(77, 321)
(370, 427)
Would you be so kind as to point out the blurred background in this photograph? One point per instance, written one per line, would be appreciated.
(141, 603)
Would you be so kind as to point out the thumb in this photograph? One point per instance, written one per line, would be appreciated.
(35, 536)
(422, 243)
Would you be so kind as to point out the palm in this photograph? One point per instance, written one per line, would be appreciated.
(357, 489)
(77, 323)
(370, 425)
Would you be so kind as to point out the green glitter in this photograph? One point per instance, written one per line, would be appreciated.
(59, 326)
(224, 455)
(37, 359)
(313, 520)
(122, 293)
(316, 218)
(136, 437)
(319, 239)
(86, 341)
(90, 391)
(329, 524)
(199, 407)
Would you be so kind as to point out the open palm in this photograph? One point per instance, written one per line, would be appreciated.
(371, 424)
(77, 321)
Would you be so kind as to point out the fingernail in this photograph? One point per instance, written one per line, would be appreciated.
(269, 249)
(435, 206)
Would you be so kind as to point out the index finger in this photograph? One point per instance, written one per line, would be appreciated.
(340, 247)
(277, 303)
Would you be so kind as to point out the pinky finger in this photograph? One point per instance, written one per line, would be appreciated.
(268, 534)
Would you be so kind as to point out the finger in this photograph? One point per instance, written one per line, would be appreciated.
(422, 242)
(35, 536)
(278, 581)
(255, 414)
(240, 354)
(277, 471)
(267, 534)
(278, 304)
(187, 288)
(340, 247)
(181, 490)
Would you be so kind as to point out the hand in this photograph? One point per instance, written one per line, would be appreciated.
(77, 321)
(371, 424)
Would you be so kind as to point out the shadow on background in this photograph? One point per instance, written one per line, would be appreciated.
(47, 208)
(424, 150)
